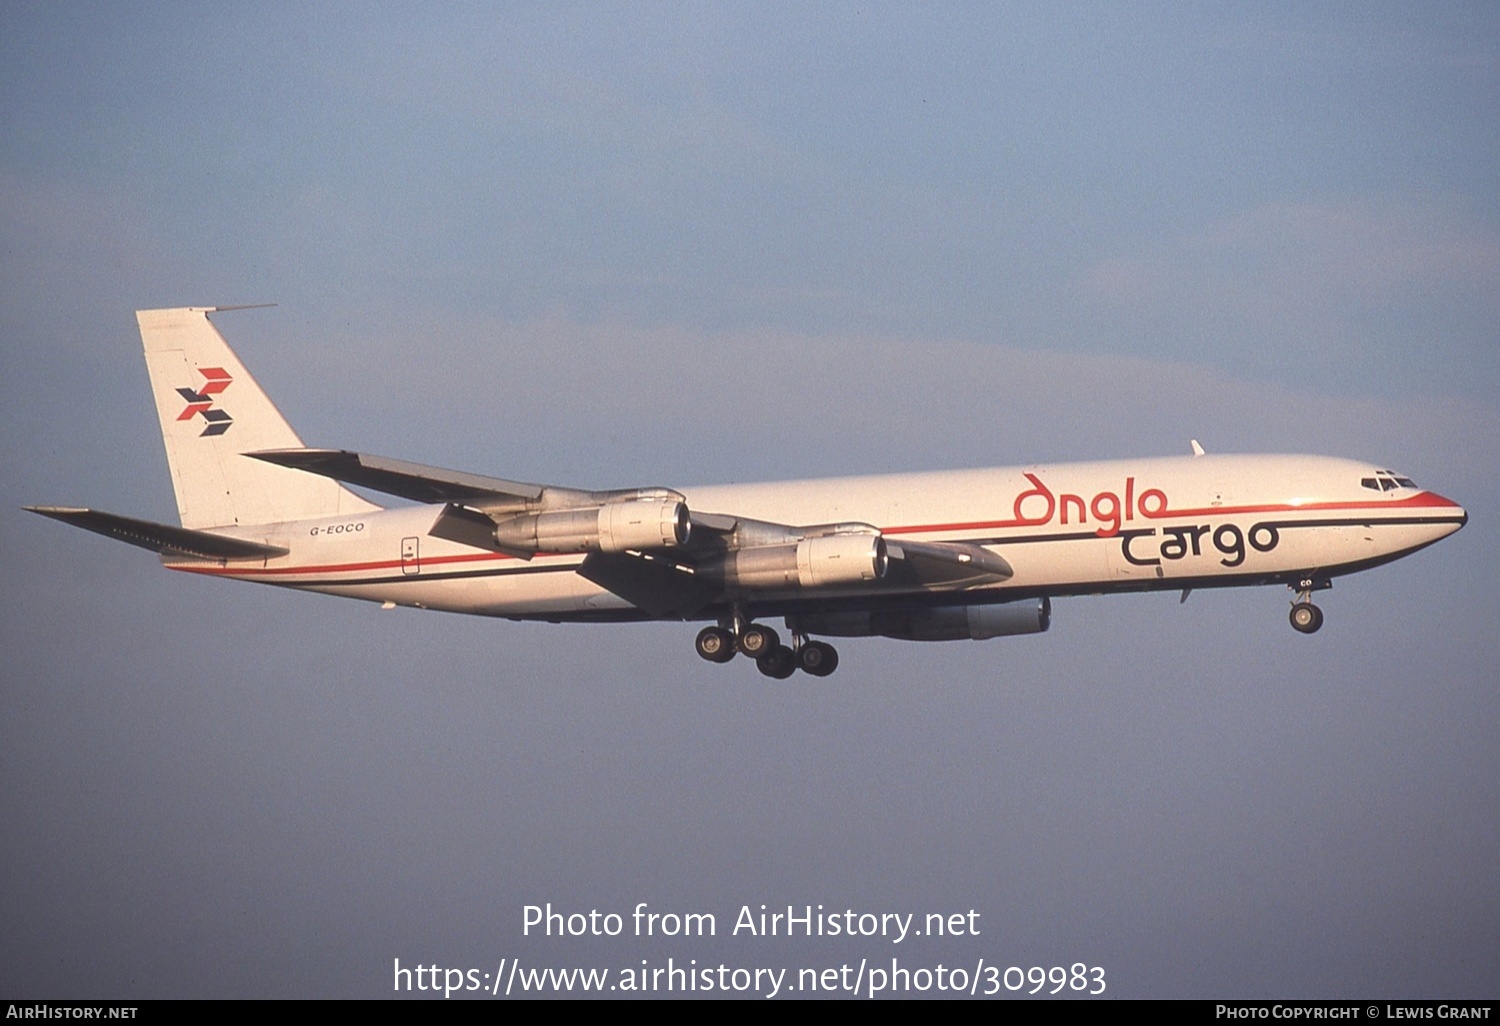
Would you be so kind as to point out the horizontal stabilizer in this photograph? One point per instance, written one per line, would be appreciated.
(169, 541)
(398, 477)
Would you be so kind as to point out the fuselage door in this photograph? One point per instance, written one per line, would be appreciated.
(411, 561)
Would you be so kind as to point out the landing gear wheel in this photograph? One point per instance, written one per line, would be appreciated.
(758, 640)
(818, 658)
(780, 662)
(1306, 617)
(715, 644)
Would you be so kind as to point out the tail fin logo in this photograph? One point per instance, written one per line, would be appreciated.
(202, 401)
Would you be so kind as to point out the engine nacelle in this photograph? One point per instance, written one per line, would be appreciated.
(947, 623)
(841, 559)
(612, 527)
(643, 524)
(811, 563)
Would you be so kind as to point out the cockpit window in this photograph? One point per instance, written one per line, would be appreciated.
(1386, 481)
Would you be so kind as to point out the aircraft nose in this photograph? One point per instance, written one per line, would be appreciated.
(1463, 514)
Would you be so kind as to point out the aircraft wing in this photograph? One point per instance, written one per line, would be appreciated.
(398, 477)
(644, 545)
(160, 538)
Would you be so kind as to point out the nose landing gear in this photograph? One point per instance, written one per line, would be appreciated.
(1306, 618)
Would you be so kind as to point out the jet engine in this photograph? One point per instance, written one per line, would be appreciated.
(613, 527)
(810, 563)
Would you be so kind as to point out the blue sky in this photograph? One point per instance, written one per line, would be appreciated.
(677, 244)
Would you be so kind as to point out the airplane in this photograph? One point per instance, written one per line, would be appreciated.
(935, 556)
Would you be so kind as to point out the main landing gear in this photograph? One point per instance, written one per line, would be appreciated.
(721, 643)
(1305, 616)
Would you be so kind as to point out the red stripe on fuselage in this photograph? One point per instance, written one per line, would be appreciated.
(1426, 500)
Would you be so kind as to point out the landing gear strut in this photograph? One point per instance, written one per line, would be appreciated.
(1306, 617)
(720, 643)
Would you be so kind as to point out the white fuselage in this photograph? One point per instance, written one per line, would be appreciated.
(1192, 521)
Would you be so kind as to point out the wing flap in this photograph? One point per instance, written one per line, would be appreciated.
(160, 538)
(656, 586)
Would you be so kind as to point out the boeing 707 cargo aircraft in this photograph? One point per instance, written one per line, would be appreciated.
(926, 557)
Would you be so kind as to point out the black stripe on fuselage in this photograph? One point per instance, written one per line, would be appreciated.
(1031, 539)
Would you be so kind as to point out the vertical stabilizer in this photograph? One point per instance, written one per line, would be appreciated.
(211, 411)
